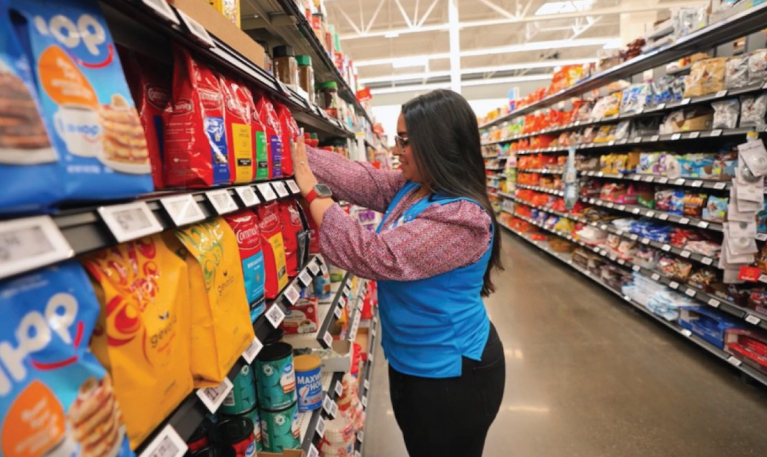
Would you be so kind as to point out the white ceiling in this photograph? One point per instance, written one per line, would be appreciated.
(498, 38)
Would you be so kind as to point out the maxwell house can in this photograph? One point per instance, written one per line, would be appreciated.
(275, 377)
(308, 382)
(280, 430)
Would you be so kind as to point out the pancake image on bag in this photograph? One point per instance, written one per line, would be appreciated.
(274, 249)
(85, 99)
(221, 327)
(56, 399)
(143, 333)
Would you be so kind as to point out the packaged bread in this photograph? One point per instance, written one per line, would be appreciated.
(706, 77)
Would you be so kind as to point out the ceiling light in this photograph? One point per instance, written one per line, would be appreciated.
(391, 35)
(573, 6)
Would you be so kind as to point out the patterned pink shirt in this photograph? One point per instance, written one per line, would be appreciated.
(440, 239)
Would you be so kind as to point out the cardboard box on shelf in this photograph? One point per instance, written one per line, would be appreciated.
(219, 26)
(343, 362)
(288, 453)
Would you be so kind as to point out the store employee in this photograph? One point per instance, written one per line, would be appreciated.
(432, 256)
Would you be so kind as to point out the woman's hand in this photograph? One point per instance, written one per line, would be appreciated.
(303, 174)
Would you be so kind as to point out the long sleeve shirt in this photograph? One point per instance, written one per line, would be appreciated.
(442, 238)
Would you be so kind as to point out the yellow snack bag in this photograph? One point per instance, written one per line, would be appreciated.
(142, 335)
(221, 326)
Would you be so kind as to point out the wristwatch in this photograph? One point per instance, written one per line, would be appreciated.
(319, 190)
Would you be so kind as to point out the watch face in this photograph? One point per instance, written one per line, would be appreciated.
(323, 190)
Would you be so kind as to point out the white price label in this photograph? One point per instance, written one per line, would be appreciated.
(751, 319)
(130, 221)
(222, 201)
(266, 191)
(339, 388)
(600, 174)
(721, 93)
(693, 135)
(714, 302)
(707, 260)
(622, 207)
(649, 179)
(166, 444)
(365, 401)
(637, 139)
(716, 132)
(636, 268)
(293, 187)
(342, 302)
(663, 180)
(313, 452)
(634, 236)
(720, 185)
(660, 106)
(654, 138)
(361, 436)
(650, 214)
(198, 31)
(610, 204)
(314, 267)
(320, 430)
(357, 454)
(679, 181)
(213, 397)
(30, 243)
(734, 361)
(338, 312)
(686, 333)
(347, 290)
(697, 183)
(685, 101)
(655, 276)
(247, 196)
(324, 268)
(611, 143)
(282, 191)
(703, 224)
(328, 339)
(673, 285)
(326, 404)
(690, 292)
(645, 241)
(305, 278)
(275, 316)
(250, 352)
(333, 409)
(367, 384)
(663, 217)
(684, 220)
(666, 247)
(162, 9)
(292, 294)
(182, 209)
(603, 227)
(676, 136)
(685, 254)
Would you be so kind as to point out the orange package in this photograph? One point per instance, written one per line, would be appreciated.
(221, 326)
(142, 335)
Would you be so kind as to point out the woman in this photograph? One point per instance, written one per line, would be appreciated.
(432, 257)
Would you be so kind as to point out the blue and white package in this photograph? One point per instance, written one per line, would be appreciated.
(55, 398)
(85, 100)
(28, 162)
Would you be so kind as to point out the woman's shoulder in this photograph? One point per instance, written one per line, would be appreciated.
(462, 211)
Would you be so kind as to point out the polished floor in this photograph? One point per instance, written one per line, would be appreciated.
(587, 376)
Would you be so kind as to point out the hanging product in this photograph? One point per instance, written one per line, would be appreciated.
(271, 123)
(239, 134)
(270, 226)
(261, 147)
(290, 134)
(245, 226)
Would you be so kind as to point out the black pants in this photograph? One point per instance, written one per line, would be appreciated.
(450, 416)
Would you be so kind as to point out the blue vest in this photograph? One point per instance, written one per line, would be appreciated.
(428, 324)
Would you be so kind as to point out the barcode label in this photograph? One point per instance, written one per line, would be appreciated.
(645, 241)
(130, 221)
(313, 452)
(676, 136)
(697, 183)
(275, 316)
(673, 285)
(347, 289)
(685, 101)
(690, 292)
(328, 339)
(361, 436)
(693, 135)
(679, 181)
(342, 302)
(212, 397)
(367, 384)
(247, 196)
(666, 247)
(339, 312)
(716, 132)
(250, 352)
(267, 193)
(324, 268)
(314, 268)
(339, 388)
(293, 187)
(751, 319)
(30, 243)
(685, 254)
(198, 31)
(365, 401)
(707, 260)
(720, 185)
(684, 220)
(734, 361)
(357, 454)
(222, 201)
(305, 278)
(182, 209)
(721, 93)
(703, 224)
(292, 294)
(167, 444)
(663, 180)
(320, 430)
(162, 9)
(282, 191)
(635, 210)
(655, 276)
(650, 214)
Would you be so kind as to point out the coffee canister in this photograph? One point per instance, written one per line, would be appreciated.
(237, 432)
(242, 397)
(254, 417)
(280, 429)
(275, 377)
(308, 382)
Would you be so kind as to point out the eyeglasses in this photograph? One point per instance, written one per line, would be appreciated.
(401, 142)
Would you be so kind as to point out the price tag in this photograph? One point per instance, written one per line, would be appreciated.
(320, 430)
(367, 384)
(660, 106)
(282, 191)
(663, 180)
(198, 31)
(635, 210)
(693, 135)
(326, 404)
(649, 179)
(623, 141)
(313, 452)
(333, 409)
(357, 454)
(645, 241)
(621, 262)
(250, 352)
(751, 319)
(622, 207)
(676, 136)
(603, 227)
(292, 294)
(714, 302)
(686, 333)
(720, 185)
(247, 196)
(716, 132)
(697, 183)
(328, 339)
(707, 260)
(684, 220)
(634, 236)
(637, 139)
(30, 243)
(610, 204)
(361, 436)
(293, 187)
(685, 101)
(275, 316)
(213, 397)
(611, 143)
(600, 174)
(222, 201)
(734, 361)
(339, 388)
(365, 401)
(666, 247)
(129, 221)
(654, 138)
(721, 93)
(685, 254)
(305, 278)
(267, 193)
(673, 285)
(162, 9)
(690, 292)
(703, 224)
(182, 209)
(663, 216)
(347, 290)
(655, 276)
(167, 443)
(650, 214)
(636, 268)
(339, 311)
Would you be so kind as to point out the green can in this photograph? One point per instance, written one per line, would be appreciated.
(242, 397)
(254, 417)
(276, 377)
(280, 429)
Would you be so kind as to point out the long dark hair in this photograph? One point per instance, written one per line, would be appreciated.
(444, 137)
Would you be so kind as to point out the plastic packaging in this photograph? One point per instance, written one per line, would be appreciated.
(306, 76)
(726, 114)
(736, 72)
(285, 65)
(752, 111)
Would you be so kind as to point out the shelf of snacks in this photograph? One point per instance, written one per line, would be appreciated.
(690, 33)
(366, 377)
(710, 329)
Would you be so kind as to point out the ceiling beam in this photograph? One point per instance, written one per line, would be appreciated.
(498, 9)
(533, 18)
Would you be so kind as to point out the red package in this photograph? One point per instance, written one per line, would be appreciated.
(196, 152)
(260, 145)
(290, 134)
(273, 246)
(291, 227)
(239, 131)
(245, 225)
(271, 122)
(150, 86)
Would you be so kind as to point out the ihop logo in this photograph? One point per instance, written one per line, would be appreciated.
(80, 129)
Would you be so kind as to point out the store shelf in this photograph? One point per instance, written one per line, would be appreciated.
(736, 26)
(541, 171)
(706, 184)
(558, 193)
(639, 210)
(365, 380)
(670, 325)
(312, 424)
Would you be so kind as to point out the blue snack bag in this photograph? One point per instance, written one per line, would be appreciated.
(55, 398)
(85, 100)
(27, 158)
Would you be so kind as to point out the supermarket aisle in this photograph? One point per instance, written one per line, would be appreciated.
(589, 377)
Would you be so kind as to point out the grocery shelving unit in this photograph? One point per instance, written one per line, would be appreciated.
(365, 377)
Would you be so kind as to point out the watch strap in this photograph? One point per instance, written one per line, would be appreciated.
(311, 196)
